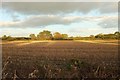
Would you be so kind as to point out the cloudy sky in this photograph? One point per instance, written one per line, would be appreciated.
(73, 18)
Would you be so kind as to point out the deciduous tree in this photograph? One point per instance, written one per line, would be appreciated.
(57, 36)
(32, 36)
(45, 35)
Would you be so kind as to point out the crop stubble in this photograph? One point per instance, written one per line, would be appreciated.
(59, 59)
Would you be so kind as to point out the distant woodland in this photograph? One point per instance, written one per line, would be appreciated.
(47, 35)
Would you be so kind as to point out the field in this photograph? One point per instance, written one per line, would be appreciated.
(60, 59)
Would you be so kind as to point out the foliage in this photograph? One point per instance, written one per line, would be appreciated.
(4, 37)
(116, 35)
(65, 36)
(32, 36)
(9, 38)
(57, 36)
(100, 36)
(45, 35)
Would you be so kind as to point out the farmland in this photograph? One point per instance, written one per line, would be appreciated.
(60, 59)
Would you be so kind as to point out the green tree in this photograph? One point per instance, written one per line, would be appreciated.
(45, 35)
(77, 38)
(57, 36)
(9, 38)
(117, 35)
(64, 36)
(109, 36)
(32, 36)
(100, 36)
(4, 37)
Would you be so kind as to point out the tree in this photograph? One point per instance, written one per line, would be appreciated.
(101, 36)
(45, 35)
(32, 36)
(9, 38)
(4, 37)
(117, 35)
(77, 38)
(57, 36)
(64, 36)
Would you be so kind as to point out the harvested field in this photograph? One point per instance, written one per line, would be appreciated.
(59, 59)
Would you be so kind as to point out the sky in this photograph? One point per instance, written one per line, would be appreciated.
(72, 18)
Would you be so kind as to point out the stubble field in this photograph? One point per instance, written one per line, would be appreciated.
(59, 59)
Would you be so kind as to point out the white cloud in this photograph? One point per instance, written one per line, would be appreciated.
(60, 7)
(109, 22)
(51, 10)
(41, 21)
(46, 20)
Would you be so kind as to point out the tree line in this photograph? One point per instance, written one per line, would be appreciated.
(47, 35)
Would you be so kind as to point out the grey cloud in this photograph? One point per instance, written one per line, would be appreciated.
(59, 7)
(109, 7)
(46, 20)
(110, 22)
(41, 21)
